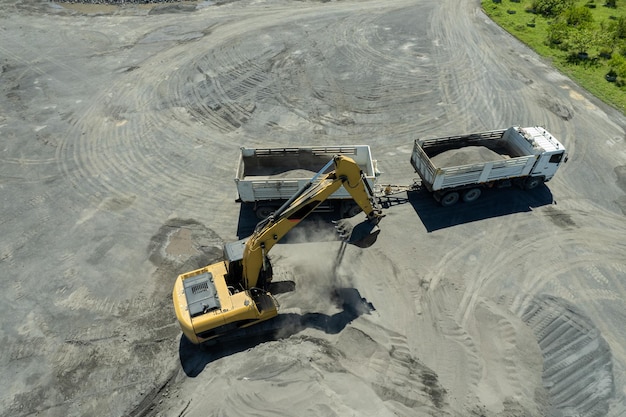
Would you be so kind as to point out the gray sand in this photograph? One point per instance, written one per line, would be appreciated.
(465, 156)
(120, 129)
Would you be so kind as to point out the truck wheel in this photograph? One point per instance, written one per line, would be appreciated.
(264, 212)
(471, 195)
(533, 182)
(450, 199)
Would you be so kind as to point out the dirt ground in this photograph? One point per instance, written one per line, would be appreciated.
(119, 133)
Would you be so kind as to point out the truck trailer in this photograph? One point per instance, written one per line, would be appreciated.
(267, 177)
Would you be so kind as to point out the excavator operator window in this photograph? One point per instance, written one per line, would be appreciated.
(233, 256)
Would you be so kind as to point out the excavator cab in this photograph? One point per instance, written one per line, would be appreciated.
(233, 260)
(233, 257)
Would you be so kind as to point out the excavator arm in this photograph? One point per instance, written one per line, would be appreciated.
(268, 232)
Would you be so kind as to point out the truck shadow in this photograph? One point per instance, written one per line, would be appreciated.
(194, 358)
(247, 221)
(492, 203)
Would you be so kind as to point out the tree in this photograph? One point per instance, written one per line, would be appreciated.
(581, 39)
(606, 39)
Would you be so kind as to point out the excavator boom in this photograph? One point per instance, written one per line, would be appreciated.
(233, 294)
(269, 231)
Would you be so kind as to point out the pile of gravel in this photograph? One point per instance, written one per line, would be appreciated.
(282, 174)
(466, 156)
(296, 173)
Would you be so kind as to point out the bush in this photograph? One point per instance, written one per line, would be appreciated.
(577, 16)
(606, 39)
(617, 63)
(620, 28)
(550, 8)
(557, 33)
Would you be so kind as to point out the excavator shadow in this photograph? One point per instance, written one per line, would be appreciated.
(194, 358)
(318, 227)
(320, 222)
(492, 203)
(281, 287)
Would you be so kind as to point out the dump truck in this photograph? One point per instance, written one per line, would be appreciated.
(267, 177)
(455, 168)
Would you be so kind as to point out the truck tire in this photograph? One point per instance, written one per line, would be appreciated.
(263, 212)
(450, 199)
(471, 195)
(532, 182)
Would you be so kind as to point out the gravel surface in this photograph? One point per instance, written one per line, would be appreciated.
(120, 128)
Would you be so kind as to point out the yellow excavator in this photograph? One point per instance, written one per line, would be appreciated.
(233, 294)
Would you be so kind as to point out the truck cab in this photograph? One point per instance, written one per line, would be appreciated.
(551, 153)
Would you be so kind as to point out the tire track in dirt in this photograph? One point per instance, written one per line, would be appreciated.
(569, 269)
(577, 360)
(508, 336)
(34, 117)
(390, 361)
(216, 87)
(229, 83)
(221, 86)
(148, 162)
(461, 85)
(572, 275)
(472, 363)
(211, 91)
(368, 65)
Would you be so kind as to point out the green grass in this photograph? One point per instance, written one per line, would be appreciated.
(590, 73)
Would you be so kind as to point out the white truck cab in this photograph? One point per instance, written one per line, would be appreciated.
(551, 153)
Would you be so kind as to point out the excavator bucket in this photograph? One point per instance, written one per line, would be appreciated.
(363, 234)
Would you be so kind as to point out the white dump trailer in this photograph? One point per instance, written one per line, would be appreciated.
(457, 167)
(267, 177)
